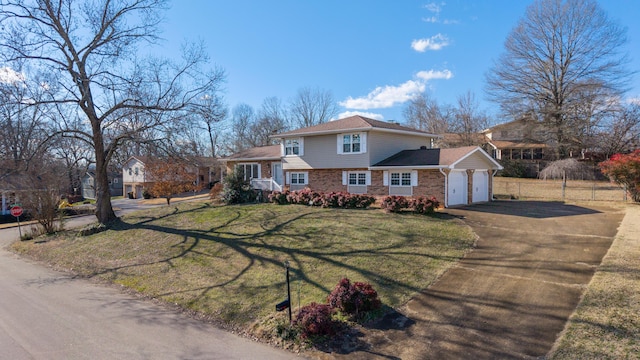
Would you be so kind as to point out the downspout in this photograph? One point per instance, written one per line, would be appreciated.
(446, 188)
(492, 184)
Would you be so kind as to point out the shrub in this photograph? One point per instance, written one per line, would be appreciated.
(625, 170)
(354, 299)
(394, 203)
(278, 197)
(215, 191)
(236, 189)
(315, 320)
(424, 205)
(313, 198)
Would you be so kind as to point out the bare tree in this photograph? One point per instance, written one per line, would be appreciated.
(271, 119)
(468, 120)
(23, 123)
(212, 111)
(620, 132)
(242, 116)
(312, 107)
(424, 113)
(88, 48)
(561, 53)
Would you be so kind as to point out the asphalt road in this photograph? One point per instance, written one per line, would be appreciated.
(49, 315)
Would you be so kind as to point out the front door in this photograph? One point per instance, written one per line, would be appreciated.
(276, 172)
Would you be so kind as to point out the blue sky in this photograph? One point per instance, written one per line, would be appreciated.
(372, 55)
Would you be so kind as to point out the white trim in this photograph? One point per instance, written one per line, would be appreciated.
(340, 143)
(287, 178)
(345, 178)
(368, 179)
(414, 178)
(385, 178)
(491, 159)
(305, 175)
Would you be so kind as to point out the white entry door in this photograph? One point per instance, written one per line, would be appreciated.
(276, 172)
(457, 189)
(480, 186)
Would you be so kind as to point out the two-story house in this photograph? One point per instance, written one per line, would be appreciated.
(367, 156)
(88, 182)
(520, 139)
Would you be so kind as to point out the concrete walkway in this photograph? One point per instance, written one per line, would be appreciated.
(512, 295)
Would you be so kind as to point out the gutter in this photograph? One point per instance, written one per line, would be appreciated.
(446, 188)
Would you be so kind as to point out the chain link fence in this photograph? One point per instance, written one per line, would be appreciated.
(573, 190)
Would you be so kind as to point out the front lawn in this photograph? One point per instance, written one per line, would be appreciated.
(226, 262)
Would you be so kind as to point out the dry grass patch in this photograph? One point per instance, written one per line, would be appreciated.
(227, 262)
(606, 323)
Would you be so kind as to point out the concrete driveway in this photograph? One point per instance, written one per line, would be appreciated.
(512, 295)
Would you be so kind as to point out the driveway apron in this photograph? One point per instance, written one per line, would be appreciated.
(512, 295)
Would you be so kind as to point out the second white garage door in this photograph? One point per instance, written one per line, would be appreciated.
(480, 186)
(457, 189)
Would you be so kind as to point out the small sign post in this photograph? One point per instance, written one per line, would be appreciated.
(286, 304)
(16, 210)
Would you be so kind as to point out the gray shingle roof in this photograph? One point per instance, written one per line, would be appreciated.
(426, 157)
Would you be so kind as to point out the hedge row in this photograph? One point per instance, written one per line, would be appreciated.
(314, 198)
(420, 205)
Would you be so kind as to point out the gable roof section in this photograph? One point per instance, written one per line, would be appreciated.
(353, 123)
(271, 152)
(435, 158)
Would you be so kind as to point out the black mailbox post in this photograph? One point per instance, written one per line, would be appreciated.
(286, 304)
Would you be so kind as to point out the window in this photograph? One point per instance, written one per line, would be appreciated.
(130, 172)
(352, 143)
(401, 179)
(298, 178)
(292, 147)
(249, 171)
(136, 171)
(357, 178)
(115, 180)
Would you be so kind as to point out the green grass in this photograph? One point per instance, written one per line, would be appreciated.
(606, 323)
(227, 261)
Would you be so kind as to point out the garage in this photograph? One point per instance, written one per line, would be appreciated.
(480, 186)
(457, 188)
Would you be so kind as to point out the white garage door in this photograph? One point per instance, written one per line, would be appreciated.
(480, 186)
(457, 188)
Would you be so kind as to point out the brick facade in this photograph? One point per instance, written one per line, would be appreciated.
(430, 183)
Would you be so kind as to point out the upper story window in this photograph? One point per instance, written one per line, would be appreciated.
(292, 147)
(352, 143)
(136, 170)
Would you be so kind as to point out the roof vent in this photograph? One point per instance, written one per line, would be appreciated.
(423, 147)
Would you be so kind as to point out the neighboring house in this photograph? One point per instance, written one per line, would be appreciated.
(260, 165)
(518, 140)
(366, 156)
(135, 180)
(89, 184)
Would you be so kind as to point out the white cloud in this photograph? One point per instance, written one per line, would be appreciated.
(432, 19)
(434, 7)
(432, 74)
(10, 76)
(388, 96)
(436, 42)
(634, 100)
(370, 115)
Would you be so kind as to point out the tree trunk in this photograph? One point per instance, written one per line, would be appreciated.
(104, 210)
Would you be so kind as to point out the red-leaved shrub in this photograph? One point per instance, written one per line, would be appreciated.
(315, 320)
(314, 198)
(354, 299)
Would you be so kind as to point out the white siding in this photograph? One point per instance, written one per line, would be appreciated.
(133, 164)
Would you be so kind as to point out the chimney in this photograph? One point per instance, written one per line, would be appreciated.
(423, 147)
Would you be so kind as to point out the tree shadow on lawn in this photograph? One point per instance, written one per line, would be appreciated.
(255, 247)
